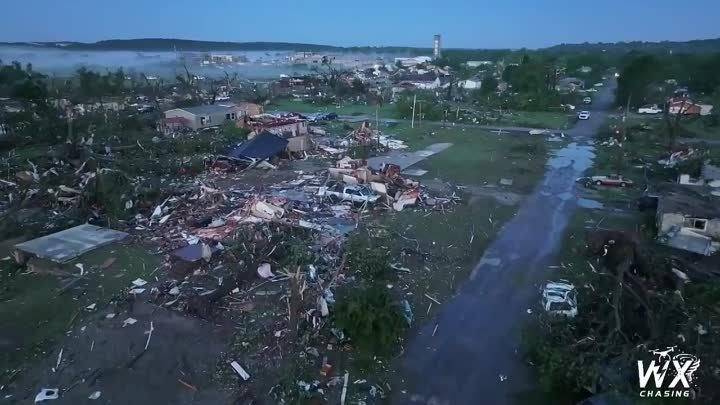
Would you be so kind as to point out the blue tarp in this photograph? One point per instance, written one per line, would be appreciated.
(263, 146)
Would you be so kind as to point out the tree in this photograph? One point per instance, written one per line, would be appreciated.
(639, 71)
(489, 85)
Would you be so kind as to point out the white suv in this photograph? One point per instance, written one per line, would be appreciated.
(584, 115)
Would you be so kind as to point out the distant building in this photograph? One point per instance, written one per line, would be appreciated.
(205, 116)
(410, 62)
(427, 81)
(689, 108)
(478, 63)
(436, 46)
(570, 84)
(470, 84)
(250, 109)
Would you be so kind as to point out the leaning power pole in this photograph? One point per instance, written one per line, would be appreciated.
(412, 121)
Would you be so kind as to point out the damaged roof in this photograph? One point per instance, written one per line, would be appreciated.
(263, 146)
(208, 109)
(687, 201)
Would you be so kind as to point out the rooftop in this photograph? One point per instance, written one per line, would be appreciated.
(207, 109)
(689, 201)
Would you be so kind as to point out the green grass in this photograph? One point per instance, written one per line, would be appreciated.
(700, 129)
(299, 106)
(552, 120)
(478, 157)
(34, 314)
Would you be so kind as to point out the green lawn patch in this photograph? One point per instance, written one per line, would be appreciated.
(34, 313)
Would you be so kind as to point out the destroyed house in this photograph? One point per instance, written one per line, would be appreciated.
(264, 146)
(689, 221)
(205, 116)
(291, 125)
(425, 81)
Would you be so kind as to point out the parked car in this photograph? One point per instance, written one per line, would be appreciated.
(587, 100)
(649, 109)
(355, 194)
(611, 180)
(584, 115)
(560, 298)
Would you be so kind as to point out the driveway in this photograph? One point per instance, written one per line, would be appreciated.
(406, 159)
(474, 356)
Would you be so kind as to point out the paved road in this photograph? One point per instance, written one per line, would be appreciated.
(360, 118)
(473, 358)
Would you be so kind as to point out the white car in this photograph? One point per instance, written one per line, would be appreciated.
(356, 194)
(584, 115)
(587, 100)
(649, 109)
(560, 298)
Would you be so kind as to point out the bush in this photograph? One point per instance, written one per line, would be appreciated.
(371, 319)
(364, 257)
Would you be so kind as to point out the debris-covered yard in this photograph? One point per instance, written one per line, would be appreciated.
(295, 283)
(634, 294)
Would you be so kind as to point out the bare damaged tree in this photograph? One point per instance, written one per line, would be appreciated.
(155, 88)
(673, 123)
(189, 84)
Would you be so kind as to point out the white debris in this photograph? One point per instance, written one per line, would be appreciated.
(174, 291)
(129, 321)
(47, 394)
(91, 307)
(264, 271)
(110, 316)
(137, 291)
(324, 311)
(138, 282)
(241, 371)
(502, 377)
(149, 333)
(95, 395)
(81, 267)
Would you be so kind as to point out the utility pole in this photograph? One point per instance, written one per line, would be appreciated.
(412, 120)
(420, 115)
(377, 121)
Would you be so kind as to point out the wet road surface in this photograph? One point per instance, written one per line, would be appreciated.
(474, 356)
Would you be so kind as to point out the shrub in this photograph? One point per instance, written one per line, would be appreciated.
(370, 318)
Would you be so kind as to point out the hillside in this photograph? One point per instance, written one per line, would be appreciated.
(695, 46)
(170, 44)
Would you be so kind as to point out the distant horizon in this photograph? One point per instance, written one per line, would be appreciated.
(464, 24)
(3, 42)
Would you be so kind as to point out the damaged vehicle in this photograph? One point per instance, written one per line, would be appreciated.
(560, 298)
(611, 180)
(356, 194)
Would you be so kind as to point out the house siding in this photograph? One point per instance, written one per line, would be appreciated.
(668, 220)
(195, 121)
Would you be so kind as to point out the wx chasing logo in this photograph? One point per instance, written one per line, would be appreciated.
(672, 375)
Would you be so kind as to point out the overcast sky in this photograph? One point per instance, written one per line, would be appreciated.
(462, 23)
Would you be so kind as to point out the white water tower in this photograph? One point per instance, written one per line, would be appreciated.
(436, 46)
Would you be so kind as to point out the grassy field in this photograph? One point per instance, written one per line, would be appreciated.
(478, 157)
(299, 106)
(552, 120)
(34, 312)
(698, 128)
